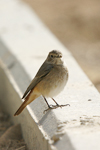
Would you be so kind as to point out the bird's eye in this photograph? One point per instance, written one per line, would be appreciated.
(52, 56)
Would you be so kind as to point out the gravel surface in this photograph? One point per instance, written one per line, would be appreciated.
(10, 135)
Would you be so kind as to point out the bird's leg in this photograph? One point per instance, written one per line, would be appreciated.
(46, 102)
(57, 105)
(49, 107)
(55, 102)
(53, 106)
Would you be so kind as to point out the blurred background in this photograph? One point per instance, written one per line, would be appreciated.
(76, 24)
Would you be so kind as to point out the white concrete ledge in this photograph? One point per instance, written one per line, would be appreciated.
(24, 45)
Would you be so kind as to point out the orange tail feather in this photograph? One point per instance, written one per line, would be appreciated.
(27, 101)
(20, 109)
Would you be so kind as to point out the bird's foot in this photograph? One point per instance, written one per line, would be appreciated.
(55, 106)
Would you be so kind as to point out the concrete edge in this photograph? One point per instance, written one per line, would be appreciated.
(58, 129)
(10, 93)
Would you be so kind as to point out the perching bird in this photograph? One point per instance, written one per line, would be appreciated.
(48, 82)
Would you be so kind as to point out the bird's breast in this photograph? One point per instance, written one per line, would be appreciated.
(53, 83)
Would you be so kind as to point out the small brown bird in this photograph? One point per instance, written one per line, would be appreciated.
(48, 82)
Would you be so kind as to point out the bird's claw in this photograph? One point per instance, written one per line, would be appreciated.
(55, 106)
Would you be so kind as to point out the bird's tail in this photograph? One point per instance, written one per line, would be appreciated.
(31, 97)
(20, 109)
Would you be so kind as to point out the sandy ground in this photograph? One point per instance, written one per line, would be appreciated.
(77, 25)
(10, 135)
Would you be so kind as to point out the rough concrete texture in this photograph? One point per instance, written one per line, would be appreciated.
(75, 127)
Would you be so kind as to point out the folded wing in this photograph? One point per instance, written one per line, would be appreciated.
(43, 71)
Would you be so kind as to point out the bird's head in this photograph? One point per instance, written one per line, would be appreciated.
(54, 57)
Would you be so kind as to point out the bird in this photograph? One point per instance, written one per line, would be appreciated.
(49, 81)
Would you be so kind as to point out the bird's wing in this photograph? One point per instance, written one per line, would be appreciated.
(42, 72)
